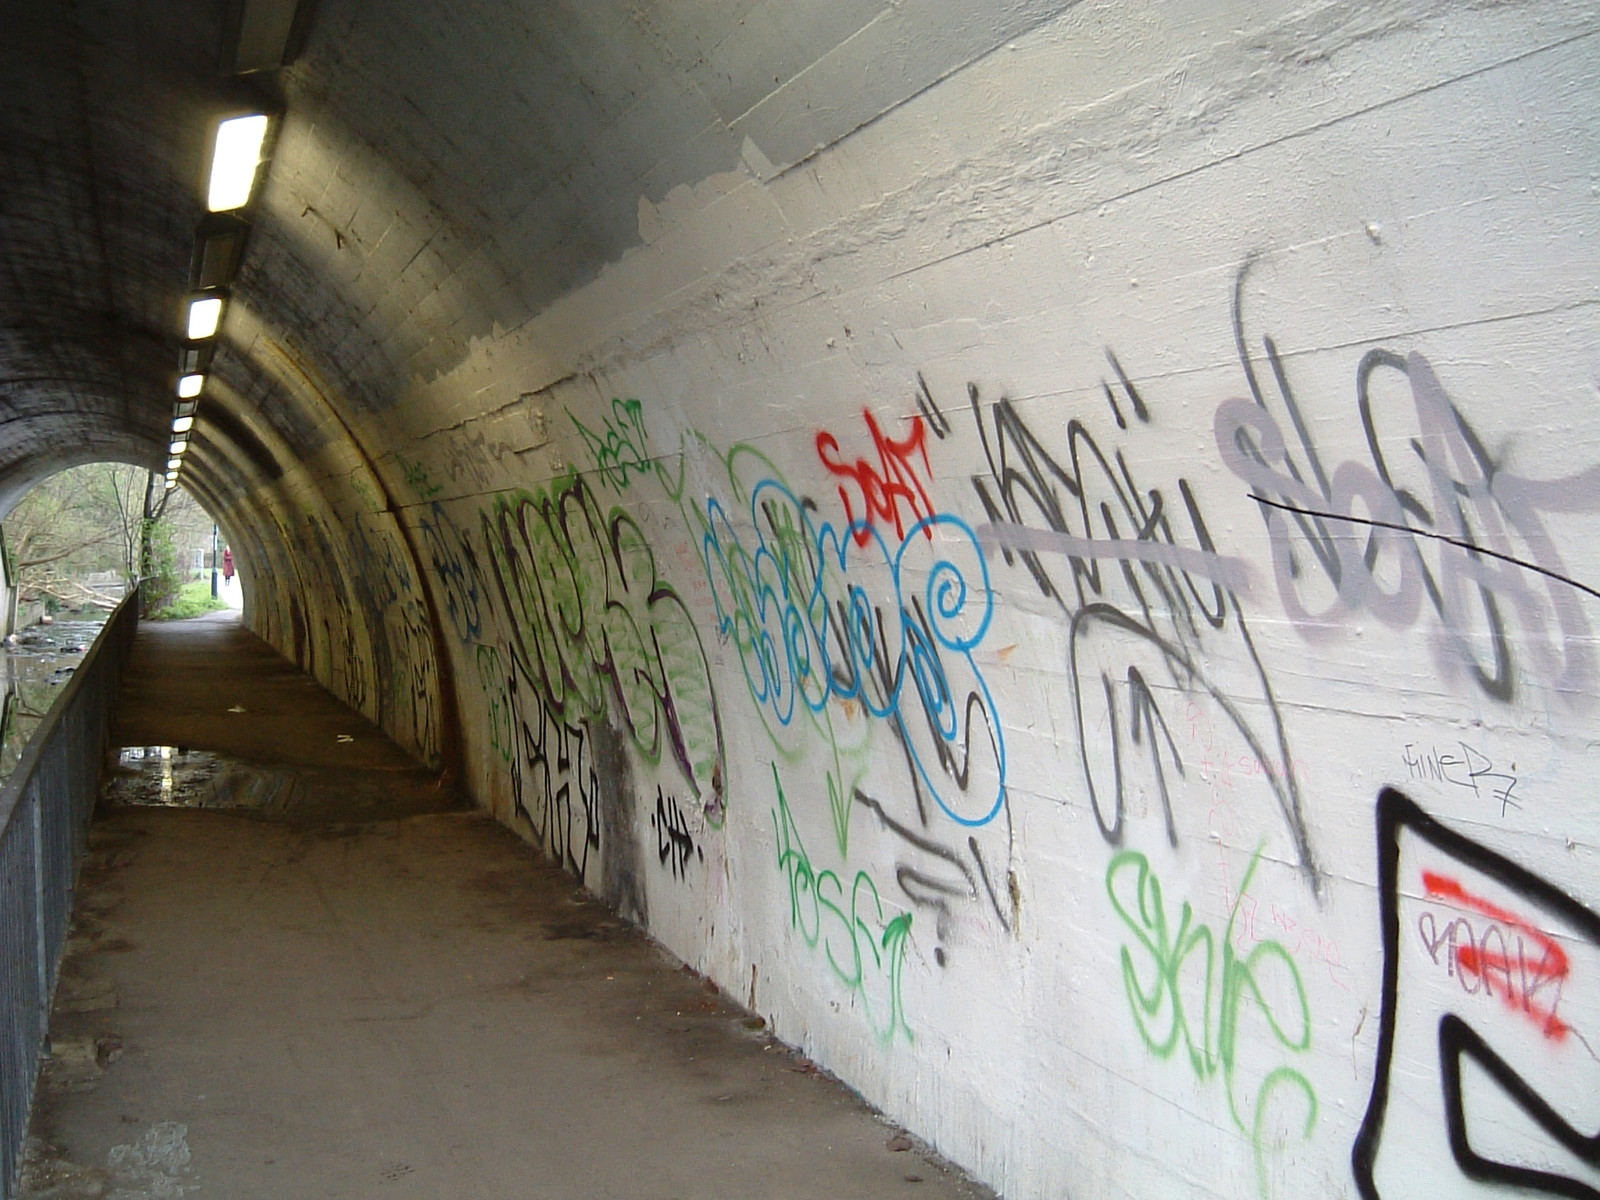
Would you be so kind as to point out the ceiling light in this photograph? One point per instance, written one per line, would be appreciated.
(219, 243)
(183, 408)
(234, 160)
(189, 386)
(171, 483)
(173, 464)
(196, 358)
(266, 36)
(178, 446)
(205, 315)
(182, 424)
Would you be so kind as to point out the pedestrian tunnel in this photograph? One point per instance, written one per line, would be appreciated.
(967, 525)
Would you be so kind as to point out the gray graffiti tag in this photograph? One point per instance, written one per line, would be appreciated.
(1431, 515)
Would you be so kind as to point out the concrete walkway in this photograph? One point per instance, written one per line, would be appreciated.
(302, 972)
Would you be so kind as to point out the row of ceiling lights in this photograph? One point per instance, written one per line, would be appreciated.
(236, 157)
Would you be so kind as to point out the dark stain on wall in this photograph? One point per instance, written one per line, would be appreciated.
(621, 865)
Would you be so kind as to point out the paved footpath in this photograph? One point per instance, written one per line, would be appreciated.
(301, 971)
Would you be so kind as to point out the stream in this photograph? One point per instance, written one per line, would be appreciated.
(32, 673)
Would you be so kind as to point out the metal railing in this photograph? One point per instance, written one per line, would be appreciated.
(44, 824)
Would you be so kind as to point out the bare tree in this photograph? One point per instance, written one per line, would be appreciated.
(85, 520)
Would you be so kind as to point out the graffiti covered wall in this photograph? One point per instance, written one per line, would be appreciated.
(1080, 609)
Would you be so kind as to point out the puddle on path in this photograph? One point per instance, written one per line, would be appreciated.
(156, 1166)
(175, 777)
(33, 670)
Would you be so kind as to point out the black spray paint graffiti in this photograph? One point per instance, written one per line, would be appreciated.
(933, 873)
(476, 460)
(553, 776)
(676, 846)
(409, 632)
(938, 876)
(1515, 988)
(588, 619)
(402, 646)
(375, 628)
(1150, 616)
(455, 561)
(342, 628)
(554, 785)
(1462, 765)
(1432, 514)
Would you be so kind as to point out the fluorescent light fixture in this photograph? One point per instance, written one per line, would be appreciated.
(234, 160)
(267, 36)
(170, 484)
(189, 386)
(196, 358)
(205, 315)
(173, 464)
(178, 446)
(219, 243)
(182, 424)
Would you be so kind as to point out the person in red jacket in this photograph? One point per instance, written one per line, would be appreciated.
(227, 565)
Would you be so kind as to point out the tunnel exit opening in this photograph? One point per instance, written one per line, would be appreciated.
(71, 548)
(226, 572)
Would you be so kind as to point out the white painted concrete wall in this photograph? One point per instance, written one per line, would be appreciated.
(1077, 601)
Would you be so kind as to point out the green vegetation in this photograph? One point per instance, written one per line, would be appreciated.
(80, 524)
(80, 537)
(192, 600)
(163, 582)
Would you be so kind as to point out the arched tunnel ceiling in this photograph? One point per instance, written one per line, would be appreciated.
(440, 171)
(100, 134)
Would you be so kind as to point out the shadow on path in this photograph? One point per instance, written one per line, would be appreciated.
(289, 978)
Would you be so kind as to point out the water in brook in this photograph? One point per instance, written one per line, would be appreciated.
(32, 673)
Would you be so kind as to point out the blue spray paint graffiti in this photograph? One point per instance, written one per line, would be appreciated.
(798, 605)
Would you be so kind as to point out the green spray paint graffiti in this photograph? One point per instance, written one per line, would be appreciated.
(845, 645)
(492, 683)
(1177, 978)
(619, 454)
(618, 448)
(589, 619)
(866, 953)
(418, 480)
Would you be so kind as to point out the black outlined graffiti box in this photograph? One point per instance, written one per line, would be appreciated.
(1487, 1073)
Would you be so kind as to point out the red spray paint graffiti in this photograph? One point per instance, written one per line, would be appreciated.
(893, 482)
(1518, 977)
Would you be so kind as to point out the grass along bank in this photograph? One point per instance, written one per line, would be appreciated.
(193, 600)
